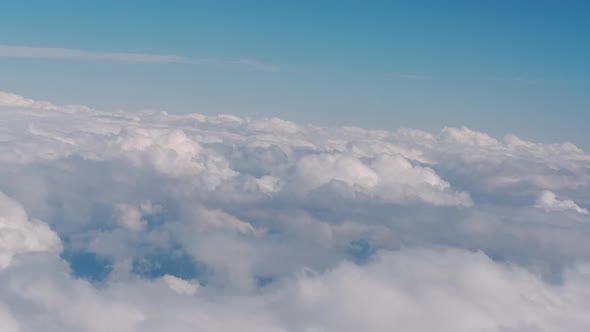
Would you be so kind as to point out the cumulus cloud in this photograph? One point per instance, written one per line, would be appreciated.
(19, 235)
(11, 99)
(392, 178)
(156, 222)
(413, 290)
(179, 285)
(548, 201)
(425, 290)
(130, 217)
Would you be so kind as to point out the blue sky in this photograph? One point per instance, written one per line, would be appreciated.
(496, 66)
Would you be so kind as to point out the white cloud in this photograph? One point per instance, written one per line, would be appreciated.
(217, 220)
(129, 217)
(389, 177)
(219, 223)
(548, 201)
(12, 51)
(11, 99)
(149, 208)
(268, 184)
(414, 290)
(19, 235)
(426, 290)
(257, 65)
(179, 285)
(15, 51)
(321, 169)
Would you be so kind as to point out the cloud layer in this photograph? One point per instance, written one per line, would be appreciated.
(149, 221)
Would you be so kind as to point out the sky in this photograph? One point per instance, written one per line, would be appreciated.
(325, 166)
(496, 66)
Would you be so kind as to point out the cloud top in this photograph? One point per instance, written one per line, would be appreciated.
(548, 201)
(20, 235)
(151, 221)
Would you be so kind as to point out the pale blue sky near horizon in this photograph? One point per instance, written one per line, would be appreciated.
(501, 67)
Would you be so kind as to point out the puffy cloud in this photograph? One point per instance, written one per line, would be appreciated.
(422, 290)
(11, 99)
(548, 201)
(318, 170)
(392, 178)
(7, 322)
(218, 223)
(413, 290)
(179, 285)
(19, 235)
(130, 217)
(204, 220)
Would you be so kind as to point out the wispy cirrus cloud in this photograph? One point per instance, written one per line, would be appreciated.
(17, 51)
(258, 65)
(12, 51)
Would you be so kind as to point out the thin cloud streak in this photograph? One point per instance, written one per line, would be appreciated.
(14, 51)
(415, 77)
(257, 65)
(10, 51)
